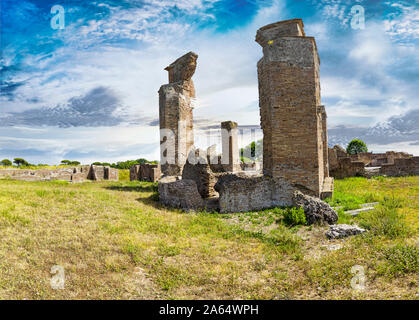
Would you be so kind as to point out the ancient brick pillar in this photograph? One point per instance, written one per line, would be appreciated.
(230, 146)
(175, 112)
(290, 108)
(325, 147)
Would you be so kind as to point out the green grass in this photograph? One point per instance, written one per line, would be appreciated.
(116, 242)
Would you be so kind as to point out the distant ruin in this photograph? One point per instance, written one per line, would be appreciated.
(70, 174)
(367, 164)
(295, 154)
(145, 172)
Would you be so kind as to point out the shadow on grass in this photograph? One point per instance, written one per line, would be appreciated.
(136, 188)
(153, 201)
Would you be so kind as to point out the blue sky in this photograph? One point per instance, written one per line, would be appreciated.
(88, 92)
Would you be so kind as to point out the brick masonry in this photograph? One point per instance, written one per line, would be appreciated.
(145, 172)
(175, 113)
(72, 174)
(292, 118)
(230, 146)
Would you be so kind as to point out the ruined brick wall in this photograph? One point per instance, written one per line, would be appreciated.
(401, 167)
(203, 176)
(348, 168)
(71, 174)
(239, 193)
(290, 107)
(145, 172)
(230, 146)
(180, 193)
(175, 113)
(325, 147)
(341, 165)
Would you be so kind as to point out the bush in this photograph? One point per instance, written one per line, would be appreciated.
(294, 216)
(384, 221)
(401, 259)
(356, 146)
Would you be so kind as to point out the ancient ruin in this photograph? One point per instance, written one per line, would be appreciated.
(295, 153)
(71, 174)
(175, 112)
(367, 164)
(230, 143)
(291, 112)
(145, 172)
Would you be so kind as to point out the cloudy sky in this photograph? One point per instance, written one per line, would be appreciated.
(88, 92)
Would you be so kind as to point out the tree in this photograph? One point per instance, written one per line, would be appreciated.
(252, 151)
(20, 162)
(356, 146)
(65, 161)
(6, 162)
(74, 163)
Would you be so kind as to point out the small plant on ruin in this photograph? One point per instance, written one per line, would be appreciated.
(356, 146)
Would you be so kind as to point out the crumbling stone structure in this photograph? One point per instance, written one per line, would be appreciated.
(378, 159)
(292, 117)
(145, 172)
(367, 164)
(401, 167)
(175, 111)
(230, 146)
(342, 166)
(295, 154)
(71, 174)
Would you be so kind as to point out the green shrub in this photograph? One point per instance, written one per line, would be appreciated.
(294, 216)
(284, 240)
(343, 217)
(384, 221)
(401, 259)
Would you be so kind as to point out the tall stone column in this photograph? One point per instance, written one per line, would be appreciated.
(289, 99)
(325, 147)
(175, 112)
(230, 146)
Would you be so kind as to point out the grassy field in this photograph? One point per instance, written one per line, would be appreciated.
(115, 241)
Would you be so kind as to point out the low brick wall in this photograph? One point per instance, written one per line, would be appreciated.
(145, 172)
(242, 193)
(401, 167)
(71, 174)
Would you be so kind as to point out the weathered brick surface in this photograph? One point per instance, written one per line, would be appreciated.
(240, 193)
(74, 174)
(180, 194)
(203, 177)
(291, 112)
(401, 167)
(111, 174)
(377, 159)
(230, 146)
(175, 113)
(145, 172)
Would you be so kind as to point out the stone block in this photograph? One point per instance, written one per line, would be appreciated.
(181, 194)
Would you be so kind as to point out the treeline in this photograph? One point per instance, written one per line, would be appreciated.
(19, 162)
(124, 164)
